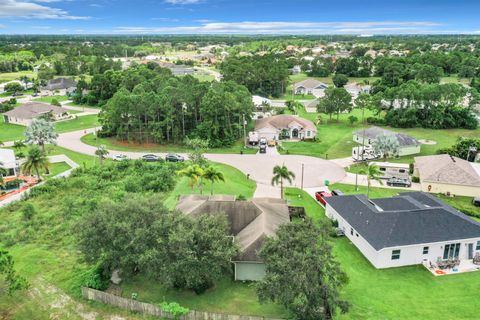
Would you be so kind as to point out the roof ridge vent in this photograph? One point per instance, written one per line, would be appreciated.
(375, 205)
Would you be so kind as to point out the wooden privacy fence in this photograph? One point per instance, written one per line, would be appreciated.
(151, 309)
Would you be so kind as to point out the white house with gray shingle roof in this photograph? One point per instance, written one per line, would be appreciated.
(409, 229)
(310, 86)
(448, 175)
(24, 114)
(408, 145)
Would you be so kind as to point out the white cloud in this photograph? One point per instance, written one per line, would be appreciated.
(166, 19)
(31, 10)
(282, 27)
(182, 2)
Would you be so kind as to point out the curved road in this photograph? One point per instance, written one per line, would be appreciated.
(258, 166)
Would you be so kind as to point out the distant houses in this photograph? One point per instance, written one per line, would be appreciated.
(448, 175)
(408, 145)
(285, 127)
(251, 222)
(409, 229)
(24, 114)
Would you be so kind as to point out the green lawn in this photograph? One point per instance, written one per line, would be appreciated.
(50, 98)
(395, 293)
(79, 123)
(73, 104)
(10, 132)
(9, 76)
(114, 144)
(236, 183)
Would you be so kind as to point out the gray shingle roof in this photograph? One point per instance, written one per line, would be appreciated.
(32, 110)
(374, 132)
(251, 222)
(415, 219)
(60, 83)
(311, 84)
(283, 121)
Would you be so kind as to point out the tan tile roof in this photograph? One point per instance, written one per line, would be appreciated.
(283, 121)
(32, 110)
(447, 169)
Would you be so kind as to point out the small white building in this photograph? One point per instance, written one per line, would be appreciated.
(285, 127)
(409, 229)
(9, 162)
(259, 101)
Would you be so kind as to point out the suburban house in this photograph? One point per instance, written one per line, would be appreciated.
(448, 175)
(251, 222)
(8, 162)
(408, 144)
(310, 86)
(259, 101)
(24, 114)
(285, 127)
(408, 229)
(66, 84)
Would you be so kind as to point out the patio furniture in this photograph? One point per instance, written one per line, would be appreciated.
(476, 259)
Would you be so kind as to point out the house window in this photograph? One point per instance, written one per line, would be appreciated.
(383, 169)
(451, 251)
(425, 250)
(401, 170)
(308, 133)
(478, 246)
(356, 234)
(351, 231)
(395, 254)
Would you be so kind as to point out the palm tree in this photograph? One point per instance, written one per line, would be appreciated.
(373, 173)
(281, 173)
(35, 160)
(40, 132)
(386, 145)
(194, 173)
(213, 175)
(101, 152)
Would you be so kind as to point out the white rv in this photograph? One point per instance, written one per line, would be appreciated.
(360, 153)
(393, 170)
(253, 138)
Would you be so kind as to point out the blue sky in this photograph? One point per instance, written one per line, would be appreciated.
(239, 16)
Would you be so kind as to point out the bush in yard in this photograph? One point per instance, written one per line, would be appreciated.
(352, 120)
(175, 309)
(95, 278)
(28, 211)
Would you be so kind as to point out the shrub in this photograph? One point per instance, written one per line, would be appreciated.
(28, 211)
(174, 309)
(415, 179)
(95, 278)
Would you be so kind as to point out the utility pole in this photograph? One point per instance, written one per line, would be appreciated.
(303, 167)
(244, 132)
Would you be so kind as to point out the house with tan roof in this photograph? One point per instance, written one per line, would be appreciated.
(286, 127)
(24, 114)
(250, 223)
(310, 86)
(448, 175)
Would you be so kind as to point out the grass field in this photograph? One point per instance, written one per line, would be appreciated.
(50, 98)
(9, 76)
(395, 293)
(11, 132)
(114, 144)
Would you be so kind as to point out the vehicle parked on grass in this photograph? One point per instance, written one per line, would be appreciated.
(173, 157)
(119, 157)
(476, 201)
(321, 195)
(399, 182)
(337, 193)
(150, 158)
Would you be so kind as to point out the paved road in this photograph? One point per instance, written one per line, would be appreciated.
(258, 166)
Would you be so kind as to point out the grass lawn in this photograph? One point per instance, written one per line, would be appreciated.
(79, 123)
(236, 183)
(9, 76)
(50, 98)
(204, 77)
(114, 144)
(10, 132)
(228, 296)
(395, 293)
(73, 104)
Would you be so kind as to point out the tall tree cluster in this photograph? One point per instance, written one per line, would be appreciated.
(263, 75)
(152, 106)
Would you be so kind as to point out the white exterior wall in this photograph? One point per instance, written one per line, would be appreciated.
(268, 133)
(365, 248)
(403, 151)
(409, 255)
